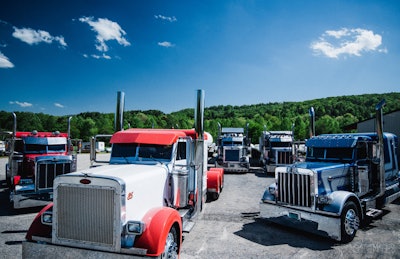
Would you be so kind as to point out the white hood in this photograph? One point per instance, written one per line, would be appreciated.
(144, 186)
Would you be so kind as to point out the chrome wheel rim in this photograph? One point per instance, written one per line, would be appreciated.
(351, 222)
(171, 247)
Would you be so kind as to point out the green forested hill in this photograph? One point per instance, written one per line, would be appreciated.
(333, 114)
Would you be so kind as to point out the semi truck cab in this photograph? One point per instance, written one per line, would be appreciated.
(345, 180)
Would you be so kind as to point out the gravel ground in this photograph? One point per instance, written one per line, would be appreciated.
(230, 227)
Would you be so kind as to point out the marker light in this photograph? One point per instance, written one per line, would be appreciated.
(134, 227)
(47, 218)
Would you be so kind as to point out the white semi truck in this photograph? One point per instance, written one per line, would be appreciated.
(138, 205)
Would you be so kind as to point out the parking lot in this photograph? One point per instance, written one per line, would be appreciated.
(231, 228)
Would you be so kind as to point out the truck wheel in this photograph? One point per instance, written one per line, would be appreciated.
(212, 196)
(350, 221)
(171, 245)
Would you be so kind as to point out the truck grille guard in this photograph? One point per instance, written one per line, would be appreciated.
(296, 188)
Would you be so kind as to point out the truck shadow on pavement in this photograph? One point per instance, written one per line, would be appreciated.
(6, 207)
(267, 233)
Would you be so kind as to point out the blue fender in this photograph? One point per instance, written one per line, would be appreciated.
(270, 193)
(338, 199)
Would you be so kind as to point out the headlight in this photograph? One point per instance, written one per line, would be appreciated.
(47, 218)
(272, 190)
(324, 199)
(134, 227)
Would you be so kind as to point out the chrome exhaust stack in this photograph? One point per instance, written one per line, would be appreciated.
(312, 122)
(14, 125)
(199, 114)
(380, 149)
(119, 114)
(69, 127)
(69, 144)
(200, 158)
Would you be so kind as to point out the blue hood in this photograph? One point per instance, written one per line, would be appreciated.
(319, 165)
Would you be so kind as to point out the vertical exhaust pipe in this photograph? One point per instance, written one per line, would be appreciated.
(312, 122)
(199, 114)
(119, 114)
(69, 144)
(380, 150)
(69, 127)
(14, 124)
(200, 160)
(247, 143)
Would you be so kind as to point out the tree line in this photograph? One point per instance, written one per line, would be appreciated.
(332, 115)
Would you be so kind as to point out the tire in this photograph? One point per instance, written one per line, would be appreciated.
(171, 245)
(212, 196)
(350, 221)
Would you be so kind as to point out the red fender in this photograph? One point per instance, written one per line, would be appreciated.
(215, 179)
(158, 222)
(37, 228)
(221, 175)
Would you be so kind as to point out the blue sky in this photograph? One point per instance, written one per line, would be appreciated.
(67, 57)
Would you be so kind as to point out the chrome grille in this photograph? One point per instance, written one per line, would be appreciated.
(232, 155)
(284, 157)
(86, 215)
(295, 189)
(47, 171)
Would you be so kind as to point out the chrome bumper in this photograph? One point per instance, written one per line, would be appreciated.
(233, 167)
(324, 225)
(47, 250)
(30, 200)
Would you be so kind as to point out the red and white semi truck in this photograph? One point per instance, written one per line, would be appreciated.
(35, 159)
(139, 204)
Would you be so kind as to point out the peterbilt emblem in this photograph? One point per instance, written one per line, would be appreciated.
(130, 196)
(85, 181)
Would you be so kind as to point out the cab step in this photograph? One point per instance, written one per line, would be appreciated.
(187, 226)
(374, 213)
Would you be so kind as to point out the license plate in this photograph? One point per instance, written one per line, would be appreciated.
(294, 215)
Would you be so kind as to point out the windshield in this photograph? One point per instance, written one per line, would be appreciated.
(232, 143)
(133, 152)
(281, 144)
(43, 149)
(329, 154)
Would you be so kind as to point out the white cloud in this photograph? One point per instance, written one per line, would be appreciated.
(32, 36)
(166, 18)
(21, 104)
(5, 62)
(166, 44)
(104, 56)
(106, 30)
(59, 105)
(347, 42)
